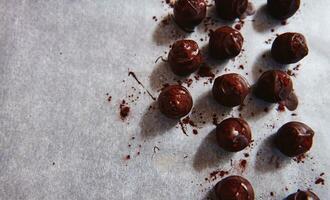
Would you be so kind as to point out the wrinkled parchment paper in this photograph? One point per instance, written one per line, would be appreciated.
(60, 137)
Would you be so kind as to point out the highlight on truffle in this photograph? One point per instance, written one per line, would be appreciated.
(225, 42)
(175, 101)
(234, 188)
(233, 134)
(189, 13)
(282, 9)
(231, 9)
(274, 86)
(184, 57)
(294, 138)
(303, 195)
(230, 89)
(289, 48)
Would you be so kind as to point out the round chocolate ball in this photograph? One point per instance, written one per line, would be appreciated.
(282, 9)
(233, 134)
(294, 138)
(231, 9)
(230, 89)
(289, 48)
(303, 195)
(225, 42)
(234, 188)
(175, 101)
(274, 86)
(184, 57)
(189, 13)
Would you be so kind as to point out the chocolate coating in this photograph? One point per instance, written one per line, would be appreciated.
(289, 48)
(189, 13)
(225, 42)
(230, 89)
(303, 195)
(274, 86)
(175, 101)
(294, 138)
(231, 9)
(282, 9)
(234, 188)
(233, 134)
(184, 57)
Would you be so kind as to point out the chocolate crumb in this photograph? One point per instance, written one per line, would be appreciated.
(137, 80)
(319, 181)
(183, 128)
(281, 107)
(205, 71)
(124, 110)
(243, 164)
(156, 148)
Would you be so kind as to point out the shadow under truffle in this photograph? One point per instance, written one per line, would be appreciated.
(265, 62)
(167, 31)
(154, 123)
(210, 195)
(268, 158)
(215, 64)
(263, 21)
(209, 154)
(161, 75)
(206, 110)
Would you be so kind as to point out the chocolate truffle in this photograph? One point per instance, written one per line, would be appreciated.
(225, 42)
(294, 138)
(282, 9)
(189, 13)
(289, 48)
(230, 89)
(231, 9)
(274, 86)
(184, 57)
(234, 188)
(303, 195)
(175, 101)
(233, 134)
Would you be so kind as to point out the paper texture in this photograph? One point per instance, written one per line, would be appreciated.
(60, 137)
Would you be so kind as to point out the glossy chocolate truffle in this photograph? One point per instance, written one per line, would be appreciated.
(303, 195)
(225, 42)
(189, 13)
(282, 9)
(233, 134)
(234, 188)
(274, 86)
(175, 101)
(184, 57)
(231, 9)
(230, 89)
(294, 138)
(289, 48)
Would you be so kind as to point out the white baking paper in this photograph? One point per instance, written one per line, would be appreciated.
(60, 137)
